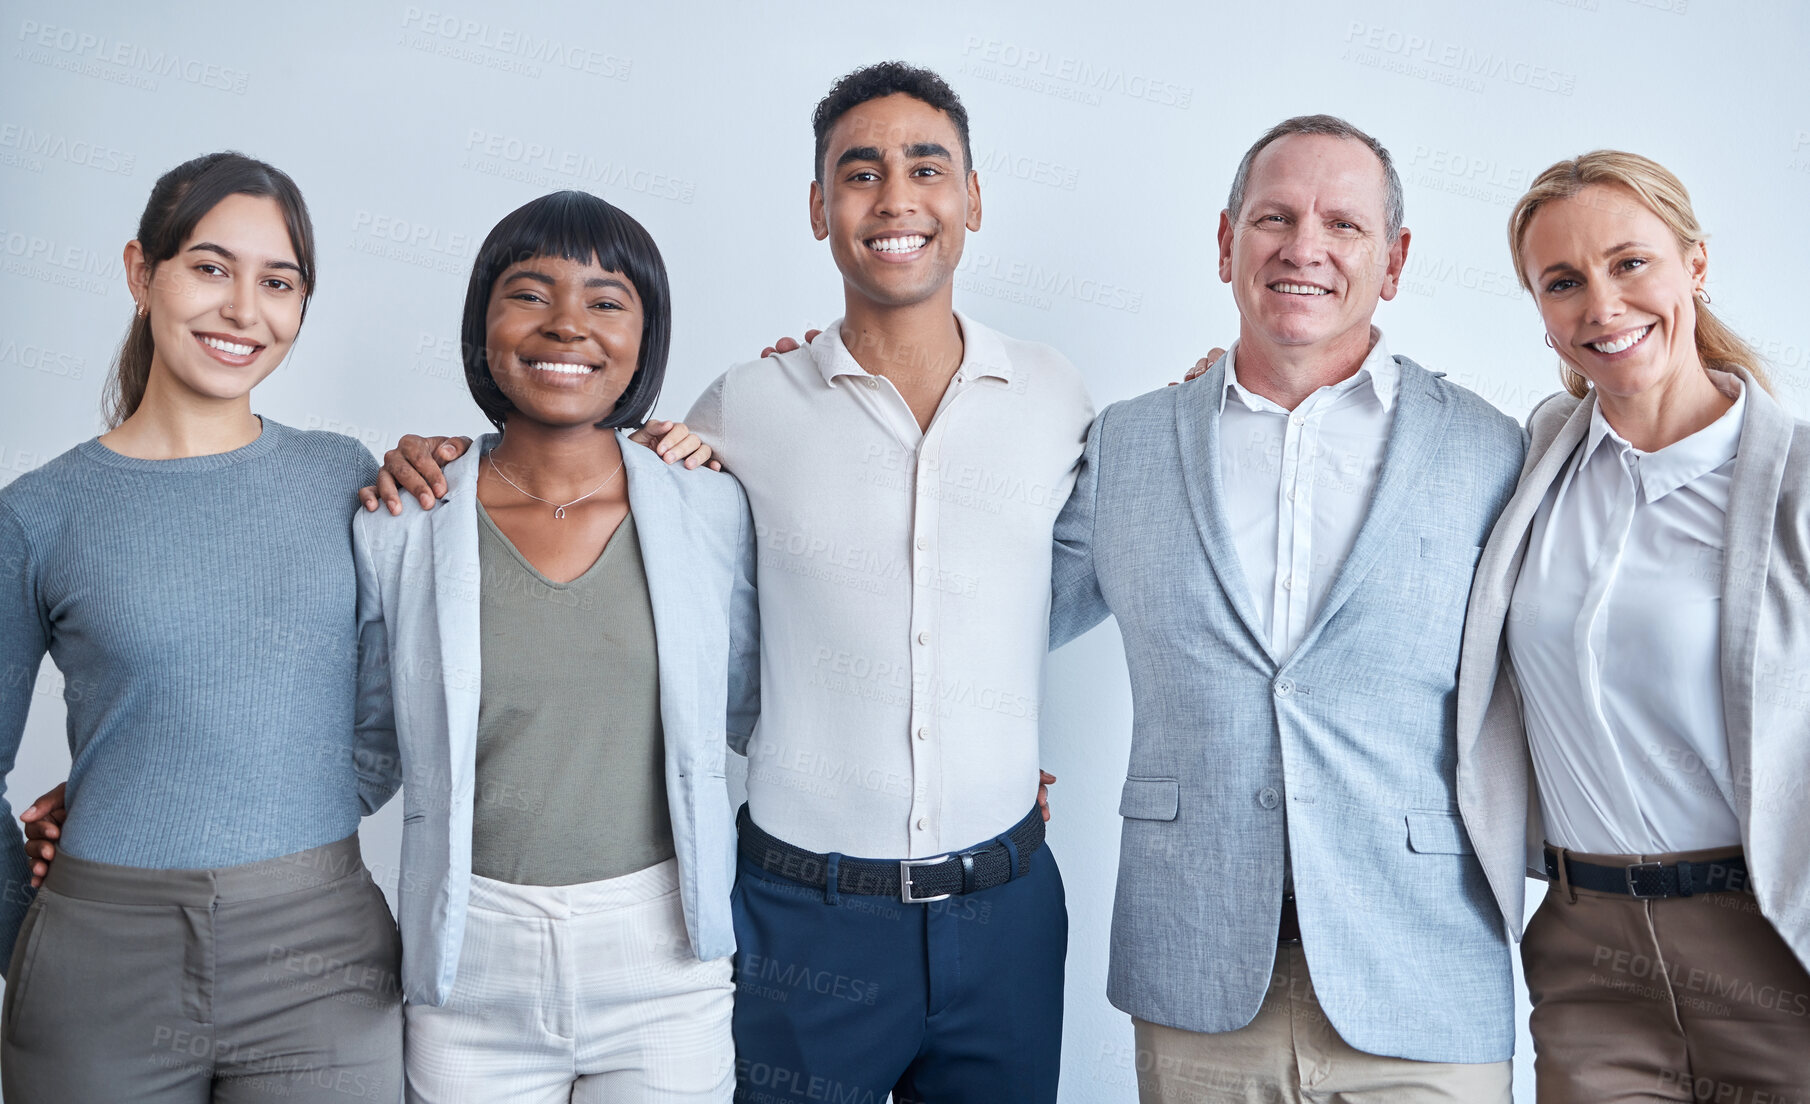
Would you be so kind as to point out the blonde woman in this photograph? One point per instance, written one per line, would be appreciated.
(1637, 614)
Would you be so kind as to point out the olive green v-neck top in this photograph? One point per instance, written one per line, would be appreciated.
(571, 779)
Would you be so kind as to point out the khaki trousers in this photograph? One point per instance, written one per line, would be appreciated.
(1680, 999)
(1290, 1054)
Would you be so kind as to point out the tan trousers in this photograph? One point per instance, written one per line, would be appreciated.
(1290, 1054)
(1681, 999)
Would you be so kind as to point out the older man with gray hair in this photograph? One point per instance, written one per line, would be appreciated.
(1287, 543)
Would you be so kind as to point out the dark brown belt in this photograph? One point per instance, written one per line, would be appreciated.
(1289, 930)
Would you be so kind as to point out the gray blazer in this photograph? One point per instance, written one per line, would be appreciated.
(1765, 664)
(698, 544)
(1345, 751)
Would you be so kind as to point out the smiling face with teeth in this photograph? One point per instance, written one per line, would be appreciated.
(562, 339)
(226, 308)
(1616, 291)
(895, 202)
(1308, 255)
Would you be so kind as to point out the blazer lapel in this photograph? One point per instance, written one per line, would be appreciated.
(1197, 408)
(1500, 566)
(454, 525)
(660, 527)
(1421, 416)
(1747, 543)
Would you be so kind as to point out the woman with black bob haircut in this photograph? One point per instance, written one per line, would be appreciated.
(572, 225)
(209, 931)
(567, 853)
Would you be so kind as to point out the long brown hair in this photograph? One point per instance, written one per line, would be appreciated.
(1664, 194)
(181, 198)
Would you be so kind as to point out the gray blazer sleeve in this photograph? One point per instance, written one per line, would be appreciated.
(1076, 604)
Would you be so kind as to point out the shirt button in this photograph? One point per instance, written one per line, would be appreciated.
(1299, 420)
(1288, 583)
(923, 638)
(1268, 797)
(923, 543)
(1283, 687)
(872, 382)
(923, 823)
(1293, 494)
(924, 733)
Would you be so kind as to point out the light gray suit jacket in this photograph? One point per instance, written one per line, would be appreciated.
(1346, 749)
(698, 543)
(1765, 625)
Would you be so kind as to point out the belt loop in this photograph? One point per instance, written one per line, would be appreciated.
(1684, 879)
(832, 863)
(1011, 854)
(1565, 885)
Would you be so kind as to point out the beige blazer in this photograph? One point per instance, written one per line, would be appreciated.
(1765, 665)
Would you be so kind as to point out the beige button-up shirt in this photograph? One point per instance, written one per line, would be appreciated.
(904, 587)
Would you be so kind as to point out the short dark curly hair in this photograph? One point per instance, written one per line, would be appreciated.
(871, 82)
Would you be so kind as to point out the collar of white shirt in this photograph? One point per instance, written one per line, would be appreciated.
(1379, 370)
(1663, 471)
(983, 353)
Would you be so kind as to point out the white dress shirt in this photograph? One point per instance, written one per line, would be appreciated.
(1298, 485)
(1614, 633)
(904, 584)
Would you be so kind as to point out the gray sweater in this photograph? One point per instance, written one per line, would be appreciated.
(202, 612)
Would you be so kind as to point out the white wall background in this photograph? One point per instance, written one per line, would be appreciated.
(1105, 135)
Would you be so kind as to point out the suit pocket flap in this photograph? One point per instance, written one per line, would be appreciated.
(1438, 834)
(1449, 551)
(1150, 798)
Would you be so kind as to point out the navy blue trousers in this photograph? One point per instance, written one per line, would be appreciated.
(847, 998)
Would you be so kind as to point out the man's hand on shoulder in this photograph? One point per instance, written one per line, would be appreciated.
(787, 344)
(672, 442)
(1202, 365)
(414, 465)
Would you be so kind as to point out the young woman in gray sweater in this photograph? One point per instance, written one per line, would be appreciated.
(209, 930)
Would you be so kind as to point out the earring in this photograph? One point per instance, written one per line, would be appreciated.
(140, 308)
(1702, 294)
(1550, 345)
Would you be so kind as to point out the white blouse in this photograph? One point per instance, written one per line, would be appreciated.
(1614, 633)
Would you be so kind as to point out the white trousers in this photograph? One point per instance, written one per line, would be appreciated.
(585, 993)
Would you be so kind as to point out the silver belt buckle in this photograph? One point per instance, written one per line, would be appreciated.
(1633, 890)
(905, 868)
